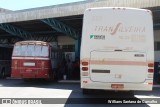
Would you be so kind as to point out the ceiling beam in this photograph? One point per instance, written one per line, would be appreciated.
(61, 27)
(16, 31)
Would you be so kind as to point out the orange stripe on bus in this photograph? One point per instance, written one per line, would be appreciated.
(101, 62)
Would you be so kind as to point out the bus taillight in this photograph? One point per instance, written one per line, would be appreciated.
(150, 83)
(85, 63)
(150, 65)
(84, 68)
(150, 70)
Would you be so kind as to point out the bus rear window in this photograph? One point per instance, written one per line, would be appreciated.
(30, 50)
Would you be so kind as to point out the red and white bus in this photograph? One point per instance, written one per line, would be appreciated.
(117, 49)
(5, 60)
(35, 59)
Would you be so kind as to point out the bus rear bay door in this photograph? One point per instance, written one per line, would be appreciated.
(118, 66)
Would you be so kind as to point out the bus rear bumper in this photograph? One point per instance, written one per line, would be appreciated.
(88, 84)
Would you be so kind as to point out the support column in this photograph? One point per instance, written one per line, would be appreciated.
(77, 53)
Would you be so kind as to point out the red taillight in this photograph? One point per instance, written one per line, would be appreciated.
(150, 65)
(150, 83)
(84, 68)
(84, 63)
(85, 82)
(150, 70)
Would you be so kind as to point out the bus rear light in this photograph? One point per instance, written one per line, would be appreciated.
(84, 73)
(84, 68)
(84, 63)
(85, 82)
(42, 65)
(150, 70)
(150, 65)
(150, 83)
(115, 86)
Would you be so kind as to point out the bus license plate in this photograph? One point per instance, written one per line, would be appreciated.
(116, 86)
(28, 64)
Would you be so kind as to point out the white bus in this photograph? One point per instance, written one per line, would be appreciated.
(117, 49)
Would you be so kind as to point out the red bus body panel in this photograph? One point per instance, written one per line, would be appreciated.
(39, 69)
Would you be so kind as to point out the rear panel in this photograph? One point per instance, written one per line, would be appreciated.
(30, 68)
(30, 59)
(118, 66)
(116, 48)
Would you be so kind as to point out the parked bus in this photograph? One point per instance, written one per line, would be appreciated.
(5, 60)
(35, 59)
(117, 51)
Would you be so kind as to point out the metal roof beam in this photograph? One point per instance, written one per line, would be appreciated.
(45, 38)
(9, 40)
(61, 27)
(3, 40)
(21, 34)
(16, 31)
